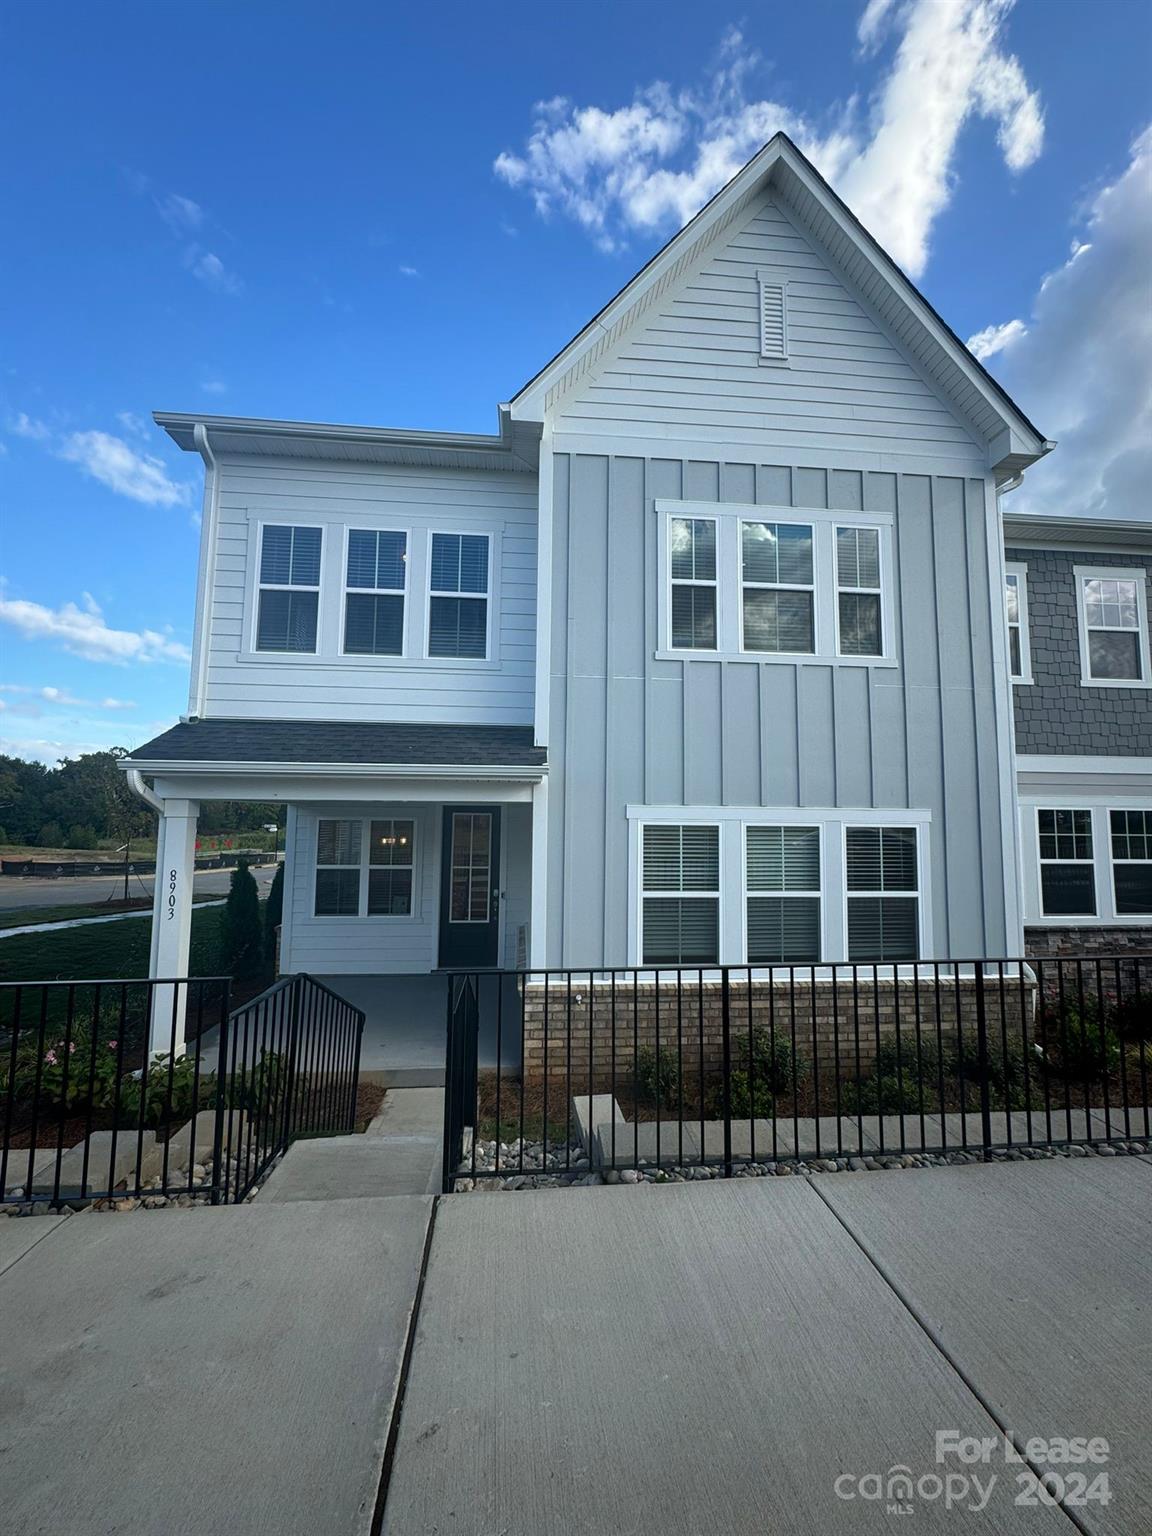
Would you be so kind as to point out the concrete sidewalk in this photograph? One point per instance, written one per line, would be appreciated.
(400, 1153)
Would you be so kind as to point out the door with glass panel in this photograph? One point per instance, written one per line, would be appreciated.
(470, 886)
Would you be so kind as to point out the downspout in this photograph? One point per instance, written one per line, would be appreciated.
(136, 782)
(206, 581)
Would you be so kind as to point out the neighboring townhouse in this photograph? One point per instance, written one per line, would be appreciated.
(702, 658)
(1078, 601)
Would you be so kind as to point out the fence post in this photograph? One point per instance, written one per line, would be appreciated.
(293, 1058)
(726, 1025)
(982, 1058)
(221, 1095)
(354, 1095)
(450, 1089)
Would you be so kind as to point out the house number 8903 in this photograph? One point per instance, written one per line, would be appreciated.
(171, 894)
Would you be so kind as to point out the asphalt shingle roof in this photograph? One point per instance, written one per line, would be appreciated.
(347, 741)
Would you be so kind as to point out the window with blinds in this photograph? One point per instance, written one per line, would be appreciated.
(341, 866)
(783, 894)
(338, 859)
(374, 599)
(1132, 861)
(778, 603)
(390, 848)
(882, 893)
(1114, 627)
(458, 601)
(1067, 864)
(288, 601)
(859, 616)
(692, 561)
(681, 895)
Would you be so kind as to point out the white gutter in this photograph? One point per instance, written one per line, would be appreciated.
(510, 772)
(136, 782)
(205, 577)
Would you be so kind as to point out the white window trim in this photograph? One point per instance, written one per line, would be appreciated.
(1019, 570)
(749, 895)
(1138, 574)
(259, 586)
(921, 894)
(882, 591)
(486, 596)
(729, 518)
(716, 895)
(693, 581)
(1136, 918)
(777, 586)
(362, 914)
(347, 591)
(1099, 805)
(732, 821)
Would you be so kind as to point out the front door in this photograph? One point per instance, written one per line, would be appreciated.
(470, 887)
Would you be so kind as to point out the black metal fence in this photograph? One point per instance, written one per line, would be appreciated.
(551, 1070)
(89, 1112)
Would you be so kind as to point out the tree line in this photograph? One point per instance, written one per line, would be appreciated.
(86, 801)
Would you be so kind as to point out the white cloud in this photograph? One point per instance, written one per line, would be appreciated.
(214, 387)
(23, 425)
(181, 214)
(651, 164)
(995, 338)
(211, 271)
(84, 632)
(1084, 371)
(133, 423)
(409, 272)
(52, 695)
(121, 468)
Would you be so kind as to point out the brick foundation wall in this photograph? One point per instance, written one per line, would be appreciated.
(594, 1045)
(1105, 943)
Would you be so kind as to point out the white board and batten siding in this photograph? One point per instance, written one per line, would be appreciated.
(243, 683)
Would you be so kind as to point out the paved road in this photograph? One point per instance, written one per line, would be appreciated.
(17, 893)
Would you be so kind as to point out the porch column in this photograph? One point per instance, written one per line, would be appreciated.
(172, 921)
(538, 921)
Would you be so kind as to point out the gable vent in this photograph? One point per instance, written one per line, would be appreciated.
(773, 319)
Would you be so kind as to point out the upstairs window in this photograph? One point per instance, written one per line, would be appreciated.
(859, 616)
(681, 895)
(692, 560)
(1113, 617)
(458, 601)
(1132, 862)
(374, 597)
(778, 599)
(1067, 872)
(1016, 610)
(883, 893)
(783, 884)
(289, 596)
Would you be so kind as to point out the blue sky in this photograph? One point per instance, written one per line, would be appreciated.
(360, 213)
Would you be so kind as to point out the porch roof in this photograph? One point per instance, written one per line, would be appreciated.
(313, 744)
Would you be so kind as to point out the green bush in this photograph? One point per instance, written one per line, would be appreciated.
(657, 1081)
(1078, 1045)
(1011, 1081)
(82, 837)
(243, 934)
(51, 835)
(750, 1098)
(171, 1094)
(63, 1076)
(769, 1063)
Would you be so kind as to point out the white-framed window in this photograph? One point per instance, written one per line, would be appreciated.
(775, 585)
(375, 587)
(681, 895)
(881, 869)
(458, 595)
(1130, 837)
(288, 600)
(364, 868)
(1016, 614)
(1067, 866)
(778, 598)
(859, 600)
(692, 571)
(782, 881)
(1112, 613)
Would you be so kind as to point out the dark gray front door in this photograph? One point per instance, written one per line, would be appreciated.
(470, 886)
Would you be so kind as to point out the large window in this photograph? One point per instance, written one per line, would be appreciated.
(859, 615)
(681, 895)
(778, 601)
(692, 561)
(783, 886)
(458, 601)
(1067, 870)
(883, 893)
(1131, 833)
(1113, 616)
(356, 881)
(374, 601)
(1016, 612)
(289, 597)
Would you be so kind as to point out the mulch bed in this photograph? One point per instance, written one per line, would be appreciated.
(369, 1097)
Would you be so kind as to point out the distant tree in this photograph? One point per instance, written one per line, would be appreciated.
(81, 837)
(273, 913)
(243, 936)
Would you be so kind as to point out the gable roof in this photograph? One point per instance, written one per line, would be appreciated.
(1013, 441)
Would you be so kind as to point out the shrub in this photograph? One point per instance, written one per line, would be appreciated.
(171, 1093)
(657, 1081)
(66, 1074)
(273, 912)
(1078, 1045)
(51, 835)
(82, 837)
(751, 1098)
(1007, 1085)
(770, 1063)
(1131, 1017)
(243, 935)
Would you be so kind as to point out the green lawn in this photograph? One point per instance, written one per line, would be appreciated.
(25, 917)
(117, 950)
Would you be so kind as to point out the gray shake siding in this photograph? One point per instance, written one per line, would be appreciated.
(1055, 713)
(626, 728)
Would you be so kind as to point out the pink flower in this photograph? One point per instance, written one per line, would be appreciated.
(50, 1058)
(111, 1045)
(71, 1046)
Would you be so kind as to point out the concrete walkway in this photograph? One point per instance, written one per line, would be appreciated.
(399, 1154)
